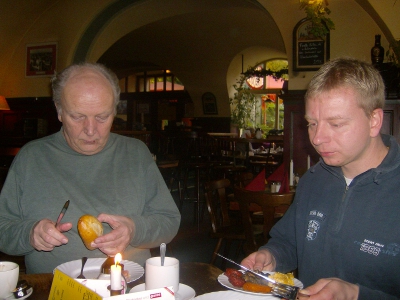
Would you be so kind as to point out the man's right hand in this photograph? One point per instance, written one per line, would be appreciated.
(45, 235)
(261, 260)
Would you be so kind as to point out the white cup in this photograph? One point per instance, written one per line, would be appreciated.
(9, 273)
(157, 276)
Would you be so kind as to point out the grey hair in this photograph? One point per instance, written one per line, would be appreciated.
(59, 81)
(361, 76)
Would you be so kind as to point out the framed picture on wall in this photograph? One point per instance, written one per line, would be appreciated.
(41, 59)
(309, 52)
(209, 104)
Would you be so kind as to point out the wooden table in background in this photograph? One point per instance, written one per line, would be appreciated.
(202, 277)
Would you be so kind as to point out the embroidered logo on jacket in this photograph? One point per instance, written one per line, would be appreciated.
(375, 248)
(315, 224)
(313, 227)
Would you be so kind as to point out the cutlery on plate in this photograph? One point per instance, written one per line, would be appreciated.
(62, 213)
(163, 248)
(279, 289)
(84, 259)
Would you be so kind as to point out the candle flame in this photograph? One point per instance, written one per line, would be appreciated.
(118, 258)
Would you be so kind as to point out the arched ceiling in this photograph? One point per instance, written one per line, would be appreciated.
(182, 42)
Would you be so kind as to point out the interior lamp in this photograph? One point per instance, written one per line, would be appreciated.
(3, 103)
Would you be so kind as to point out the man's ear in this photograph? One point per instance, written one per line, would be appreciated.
(376, 121)
(58, 109)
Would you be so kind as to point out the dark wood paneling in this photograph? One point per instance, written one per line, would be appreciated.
(296, 142)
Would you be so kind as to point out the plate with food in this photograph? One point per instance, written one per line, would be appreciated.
(132, 271)
(245, 282)
(233, 295)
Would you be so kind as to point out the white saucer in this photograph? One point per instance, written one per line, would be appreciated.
(24, 297)
(185, 292)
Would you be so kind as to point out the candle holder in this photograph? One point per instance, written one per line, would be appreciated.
(121, 291)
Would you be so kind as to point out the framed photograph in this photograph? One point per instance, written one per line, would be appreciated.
(309, 52)
(41, 59)
(209, 104)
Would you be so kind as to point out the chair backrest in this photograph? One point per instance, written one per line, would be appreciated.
(215, 192)
(268, 202)
(244, 179)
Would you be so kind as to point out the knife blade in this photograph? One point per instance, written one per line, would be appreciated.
(248, 270)
(280, 289)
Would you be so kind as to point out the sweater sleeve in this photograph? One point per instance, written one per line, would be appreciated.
(14, 228)
(370, 294)
(161, 218)
(282, 243)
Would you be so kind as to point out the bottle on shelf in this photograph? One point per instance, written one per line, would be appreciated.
(377, 52)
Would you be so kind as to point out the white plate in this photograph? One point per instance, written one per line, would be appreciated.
(232, 295)
(93, 265)
(223, 279)
(185, 292)
(30, 291)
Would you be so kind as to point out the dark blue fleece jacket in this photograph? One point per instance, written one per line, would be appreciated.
(350, 232)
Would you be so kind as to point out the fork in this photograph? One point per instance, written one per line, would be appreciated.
(278, 289)
(84, 259)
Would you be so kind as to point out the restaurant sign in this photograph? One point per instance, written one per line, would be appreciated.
(309, 52)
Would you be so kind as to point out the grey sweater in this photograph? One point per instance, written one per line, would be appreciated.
(352, 233)
(122, 179)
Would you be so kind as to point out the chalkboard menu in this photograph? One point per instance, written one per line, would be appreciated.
(309, 52)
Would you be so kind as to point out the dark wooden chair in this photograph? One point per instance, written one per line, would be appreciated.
(223, 228)
(258, 224)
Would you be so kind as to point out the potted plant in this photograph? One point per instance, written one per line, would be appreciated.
(391, 70)
(393, 53)
(316, 11)
(242, 104)
(243, 112)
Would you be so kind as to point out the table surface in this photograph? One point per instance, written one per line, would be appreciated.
(202, 277)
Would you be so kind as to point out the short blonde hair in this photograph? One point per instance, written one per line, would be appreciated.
(361, 76)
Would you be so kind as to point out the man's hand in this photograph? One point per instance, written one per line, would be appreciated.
(331, 288)
(45, 236)
(261, 260)
(119, 238)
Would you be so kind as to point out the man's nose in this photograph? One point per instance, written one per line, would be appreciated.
(90, 126)
(319, 135)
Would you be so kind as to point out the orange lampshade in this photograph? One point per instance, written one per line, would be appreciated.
(3, 103)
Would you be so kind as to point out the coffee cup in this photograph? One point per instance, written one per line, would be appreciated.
(9, 272)
(157, 276)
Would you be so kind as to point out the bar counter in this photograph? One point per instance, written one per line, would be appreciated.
(202, 277)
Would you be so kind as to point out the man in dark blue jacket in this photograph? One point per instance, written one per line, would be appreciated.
(342, 232)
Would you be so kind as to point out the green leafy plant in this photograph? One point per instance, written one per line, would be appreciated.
(278, 69)
(393, 53)
(316, 11)
(242, 104)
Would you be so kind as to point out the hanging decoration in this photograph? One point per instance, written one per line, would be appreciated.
(277, 69)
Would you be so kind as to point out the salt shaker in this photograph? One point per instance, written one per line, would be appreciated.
(277, 187)
(273, 187)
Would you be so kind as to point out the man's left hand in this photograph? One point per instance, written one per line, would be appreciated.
(119, 238)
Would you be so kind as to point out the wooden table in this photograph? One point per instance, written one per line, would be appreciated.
(202, 277)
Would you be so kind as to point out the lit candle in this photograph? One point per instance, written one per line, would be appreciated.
(116, 276)
(291, 173)
(308, 162)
